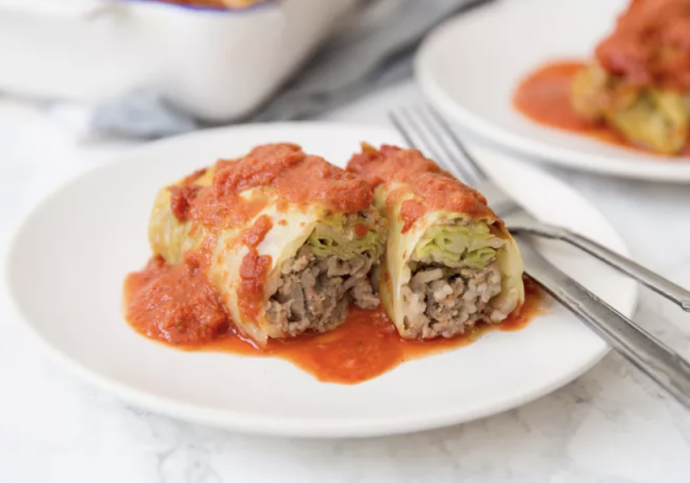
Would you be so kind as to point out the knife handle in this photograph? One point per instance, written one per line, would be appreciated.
(639, 347)
(646, 277)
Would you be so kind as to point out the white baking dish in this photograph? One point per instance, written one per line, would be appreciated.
(217, 64)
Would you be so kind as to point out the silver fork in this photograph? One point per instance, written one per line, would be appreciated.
(429, 129)
(423, 128)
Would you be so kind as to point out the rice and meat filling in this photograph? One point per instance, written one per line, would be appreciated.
(448, 301)
(446, 298)
(335, 268)
(314, 292)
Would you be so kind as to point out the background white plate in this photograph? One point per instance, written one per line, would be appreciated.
(66, 266)
(470, 67)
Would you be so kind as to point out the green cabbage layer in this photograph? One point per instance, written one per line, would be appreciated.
(468, 245)
(337, 236)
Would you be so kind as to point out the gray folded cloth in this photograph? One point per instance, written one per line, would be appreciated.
(374, 52)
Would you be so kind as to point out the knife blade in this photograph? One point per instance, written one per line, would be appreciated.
(642, 349)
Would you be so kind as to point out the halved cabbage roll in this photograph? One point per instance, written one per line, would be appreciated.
(650, 117)
(449, 261)
(286, 239)
(639, 79)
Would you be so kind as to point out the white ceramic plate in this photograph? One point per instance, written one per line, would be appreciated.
(67, 262)
(470, 66)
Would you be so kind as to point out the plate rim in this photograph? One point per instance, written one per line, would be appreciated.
(530, 149)
(241, 422)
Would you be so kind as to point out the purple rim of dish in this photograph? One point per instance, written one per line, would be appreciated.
(199, 8)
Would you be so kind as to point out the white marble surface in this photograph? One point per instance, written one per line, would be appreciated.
(611, 425)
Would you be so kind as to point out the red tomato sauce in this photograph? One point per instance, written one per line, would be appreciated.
(175, 303)
(411, 211)
(253, 272)
(256, 234)
(254, 269)
(650, 44)
(361, 230)
(296, 178)
(544, 97)
(176, 306)
(181, 196)
(434, 188)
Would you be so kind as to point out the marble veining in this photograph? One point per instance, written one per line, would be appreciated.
(611, 425)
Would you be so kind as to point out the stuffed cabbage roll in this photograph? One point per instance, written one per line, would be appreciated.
(639, 80)
(286, 239)
(650, 117)
(449, 261)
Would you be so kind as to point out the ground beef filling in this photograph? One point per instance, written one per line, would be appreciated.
(314, 292)
(443, 301)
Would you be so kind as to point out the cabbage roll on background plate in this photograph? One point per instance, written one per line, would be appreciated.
(287, 240)
(449, 262)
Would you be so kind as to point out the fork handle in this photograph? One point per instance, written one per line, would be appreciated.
(646, 277)
(639, 347)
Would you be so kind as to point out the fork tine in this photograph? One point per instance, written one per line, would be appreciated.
(400, 126)
(416, 135)
(453, 156)
(465, 157)
(412, 134)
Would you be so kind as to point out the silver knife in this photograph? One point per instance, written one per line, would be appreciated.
(646, 352)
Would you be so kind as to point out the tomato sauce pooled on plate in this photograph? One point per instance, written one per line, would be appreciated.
(544, 97)
(648, 47)
(175, 305)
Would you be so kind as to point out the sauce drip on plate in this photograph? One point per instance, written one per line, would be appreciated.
(174, 305)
